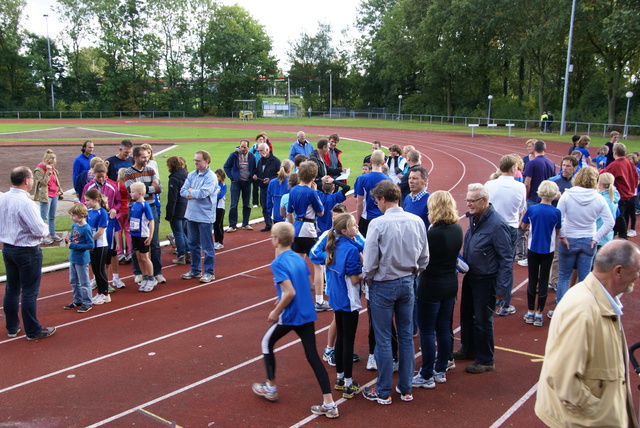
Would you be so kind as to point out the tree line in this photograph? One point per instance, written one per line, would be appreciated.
(444, 57)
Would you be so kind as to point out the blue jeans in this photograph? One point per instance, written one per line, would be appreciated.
(236, 188)
(23, 265)
(580, 254)
(48, 214)
(477, 307)
(156, 254)
(200, 240)
(79, 280)
(389, 298)
(434, 319)
(177, 227)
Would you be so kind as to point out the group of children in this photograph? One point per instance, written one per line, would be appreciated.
(92, 240)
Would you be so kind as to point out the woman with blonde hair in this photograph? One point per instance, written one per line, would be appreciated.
(47, 190)
(580, 206)
(437, 289)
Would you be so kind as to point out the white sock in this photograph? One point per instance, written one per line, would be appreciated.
(340, 375)
(319, 298)
(348, 381)
(116, 276)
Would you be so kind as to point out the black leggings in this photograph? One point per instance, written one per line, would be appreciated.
(372, 337)
(307, 334)
(346, 326)
(98, 265)
(218, 226)
(539, 270)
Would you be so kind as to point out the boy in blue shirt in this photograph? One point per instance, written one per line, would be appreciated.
(294, 311)
(80, 242)
(141, 227)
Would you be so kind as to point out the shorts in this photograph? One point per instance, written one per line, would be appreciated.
(303, 245)
(137, 242)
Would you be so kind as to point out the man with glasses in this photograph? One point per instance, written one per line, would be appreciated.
(267, 170)
(487, 251)
(240, 168)
(201, 190)
(20, 236)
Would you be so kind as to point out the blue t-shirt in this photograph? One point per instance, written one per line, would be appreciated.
(344, 296)
(140, 215)
(304, 203)
(328, 201)
(599, 159)
(363, 187)
(97, 219)
(585, 155)
(289, 265)
(275, 193)
(539, 169)
(544, 220)
(80, 243)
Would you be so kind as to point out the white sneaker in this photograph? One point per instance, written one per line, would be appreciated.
(106, 298)
(93, 284)
(523, 262)
(118, 283)
(631, 233)
(142, 286)
(98, 299)
(161, 279)
(150, 285)
(138, 279)
(371, 362)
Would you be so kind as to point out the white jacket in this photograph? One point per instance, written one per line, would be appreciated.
(580, 207)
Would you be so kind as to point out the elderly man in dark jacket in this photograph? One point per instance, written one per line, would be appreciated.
(267, 170)
(488, 252)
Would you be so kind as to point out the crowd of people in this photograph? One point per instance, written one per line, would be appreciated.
(403, 248)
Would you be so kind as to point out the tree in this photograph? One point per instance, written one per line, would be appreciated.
(13, 64)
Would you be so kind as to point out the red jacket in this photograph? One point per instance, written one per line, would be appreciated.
(626, 177)
(327, 157)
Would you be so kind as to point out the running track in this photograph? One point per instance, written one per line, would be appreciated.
(189, 352)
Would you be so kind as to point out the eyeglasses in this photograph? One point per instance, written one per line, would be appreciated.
(473, 201)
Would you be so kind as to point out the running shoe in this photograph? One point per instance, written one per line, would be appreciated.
(191, 275)
(528, 317)
(323, 306)
(440, 377)
(537, 321)
(262, 389)
(372, 395)
(207, 277)
(351, 391)
(404, 397)
(117, 282)
(419, 382)
(371, 362)
(323, 409)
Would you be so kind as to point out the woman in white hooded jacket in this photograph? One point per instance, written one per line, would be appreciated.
(580, 206)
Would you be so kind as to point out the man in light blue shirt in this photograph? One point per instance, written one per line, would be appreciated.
(200, 189)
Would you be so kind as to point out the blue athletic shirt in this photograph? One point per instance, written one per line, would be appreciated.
(544, 220)
(328, 201)
(344, 296)
(289, 265)
(304, 203)
(97, 219)
(363, 187)
(80, 243)
(139, 216)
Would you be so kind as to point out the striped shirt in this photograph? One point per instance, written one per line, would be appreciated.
(22, 224)
(146, 175)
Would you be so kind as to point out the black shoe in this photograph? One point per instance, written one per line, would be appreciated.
(480, 368)
(461, 355)
(356, 357)
(72, 305)
(44, 333)
(265, 229)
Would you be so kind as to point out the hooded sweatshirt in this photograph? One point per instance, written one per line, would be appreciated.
(580, 207)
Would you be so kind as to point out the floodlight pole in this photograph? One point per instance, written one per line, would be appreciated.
(490, 97)
(565, 93)
(626, 117)
(53, 100)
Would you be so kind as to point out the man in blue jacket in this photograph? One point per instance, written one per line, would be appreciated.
(488, 252)
(240, 168)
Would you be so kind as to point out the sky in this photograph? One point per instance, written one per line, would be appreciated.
(283, 23)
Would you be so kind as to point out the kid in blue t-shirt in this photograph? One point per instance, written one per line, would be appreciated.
(141, 226)
(545, 222)
(80, 241)
(98, 219)
(294, 311)
(329, 200)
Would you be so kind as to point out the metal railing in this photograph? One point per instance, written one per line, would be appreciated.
(99, 114)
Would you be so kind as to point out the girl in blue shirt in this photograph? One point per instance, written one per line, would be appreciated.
(344, 275)
(98, 219)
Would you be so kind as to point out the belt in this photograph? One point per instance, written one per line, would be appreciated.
(306, 220)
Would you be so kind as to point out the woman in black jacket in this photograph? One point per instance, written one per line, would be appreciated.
(177, 205)
(437, 289)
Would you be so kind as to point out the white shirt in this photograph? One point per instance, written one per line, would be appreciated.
(509, 198)
(22, 224)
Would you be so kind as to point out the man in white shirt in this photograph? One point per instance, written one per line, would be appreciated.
(509, 199)
(20, 235)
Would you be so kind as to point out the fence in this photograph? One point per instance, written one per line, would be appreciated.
(36, 114)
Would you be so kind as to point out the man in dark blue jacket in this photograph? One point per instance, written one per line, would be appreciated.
(489, 254)
(267, 170)
(240, 168)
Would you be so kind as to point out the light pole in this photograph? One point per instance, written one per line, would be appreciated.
(53, 100)
(399, 105)
(568, 69)
(490, 97)
(626, 117)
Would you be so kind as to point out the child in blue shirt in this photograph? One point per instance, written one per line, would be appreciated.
(80, 241)
(218, 225)
(294, 311)
(329, 199)
(98, 219)
(545, 222)
(344, 275)
(601, 159)
(141, 226)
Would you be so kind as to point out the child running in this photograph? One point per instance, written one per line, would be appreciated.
(545, 222)
(294, 311)
(344, 275)
(98, 219)
(80, 242)
(141, 226)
